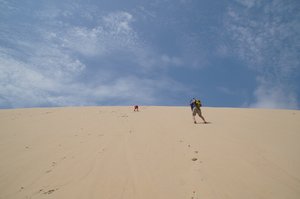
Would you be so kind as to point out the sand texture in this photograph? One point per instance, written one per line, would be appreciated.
(156, 153)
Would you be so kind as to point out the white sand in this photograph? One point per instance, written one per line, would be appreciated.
(114, 153)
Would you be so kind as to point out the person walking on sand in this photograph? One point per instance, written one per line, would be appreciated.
(136, 108)
(195, 107)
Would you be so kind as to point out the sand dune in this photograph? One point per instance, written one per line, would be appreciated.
(157, 153)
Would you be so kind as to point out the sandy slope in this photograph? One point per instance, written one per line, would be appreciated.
(113, 152)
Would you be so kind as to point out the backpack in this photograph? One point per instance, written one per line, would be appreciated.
(198, 103)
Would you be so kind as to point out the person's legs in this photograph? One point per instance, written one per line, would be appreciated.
(200, 115)
(203, 119)
(194, 114)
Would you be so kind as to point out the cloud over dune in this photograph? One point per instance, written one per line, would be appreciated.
(51, 74)
(68, 53)
(268, 41)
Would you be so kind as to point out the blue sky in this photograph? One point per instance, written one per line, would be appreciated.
(228, 53)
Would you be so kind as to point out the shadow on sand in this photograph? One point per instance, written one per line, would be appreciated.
(203, 123)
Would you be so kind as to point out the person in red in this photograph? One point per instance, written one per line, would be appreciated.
(136, 108)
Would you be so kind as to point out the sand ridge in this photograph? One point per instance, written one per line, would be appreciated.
(158, 152)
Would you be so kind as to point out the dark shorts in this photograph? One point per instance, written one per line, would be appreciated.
(197, 111)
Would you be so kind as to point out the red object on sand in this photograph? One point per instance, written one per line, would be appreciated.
(136, 108)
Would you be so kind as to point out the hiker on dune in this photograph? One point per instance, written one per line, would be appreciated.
(136, 108)
(195, 107)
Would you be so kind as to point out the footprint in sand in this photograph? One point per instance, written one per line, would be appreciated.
(194, 197)
(47, 192)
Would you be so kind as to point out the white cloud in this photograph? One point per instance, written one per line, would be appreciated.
(88, 42)
(127, 90)
(111, 36)
(263, 37)
(21, 86)
(55, 63)
(50, 78)
(48, 63)
(274, 96)
(113, 32)
(267, 37)
(25, 86)
(119, 22)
